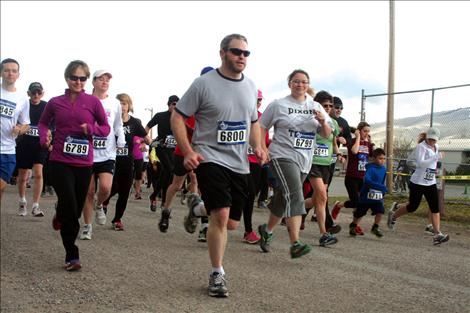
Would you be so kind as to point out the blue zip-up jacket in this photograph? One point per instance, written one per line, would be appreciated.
(373, 189)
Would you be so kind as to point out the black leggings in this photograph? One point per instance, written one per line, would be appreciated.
(353, 186)
(71, 186)
(165, 176)
(263, 184)
(253, 187)
(416, 194)
(122, 183)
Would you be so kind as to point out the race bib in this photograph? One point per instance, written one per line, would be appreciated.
(99, 143)
(430, 174)
(361, 162)
(122, 151)
(170, 141)
(321, 150)
(374, 194)
(7, 108)
(303, 140)
(251, 151)
(76, 147)
(231, 133)
(33, 131)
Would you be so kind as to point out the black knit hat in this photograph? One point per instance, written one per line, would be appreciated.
(173, 99)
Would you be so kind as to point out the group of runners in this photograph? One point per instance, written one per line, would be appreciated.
(215, 135)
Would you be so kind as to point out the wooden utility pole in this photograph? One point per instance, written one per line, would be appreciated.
(390, 99)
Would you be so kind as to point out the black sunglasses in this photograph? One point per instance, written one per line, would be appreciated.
(239, 52)
(338, 107)
(75, 78)
(327, 105)
(36, 92)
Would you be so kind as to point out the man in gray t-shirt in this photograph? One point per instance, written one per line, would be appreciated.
(224, 105)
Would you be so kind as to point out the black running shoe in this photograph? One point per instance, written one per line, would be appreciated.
(164, 220)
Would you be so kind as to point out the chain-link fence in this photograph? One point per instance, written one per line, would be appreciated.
(446, 108)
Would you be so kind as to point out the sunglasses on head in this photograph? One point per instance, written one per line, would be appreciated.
(239, 52)
(75, 78)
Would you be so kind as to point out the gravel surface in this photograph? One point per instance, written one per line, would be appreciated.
(143, 270)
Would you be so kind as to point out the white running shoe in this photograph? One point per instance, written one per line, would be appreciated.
(37, 212)
(86, 232)
(22, 208)
(100, 216)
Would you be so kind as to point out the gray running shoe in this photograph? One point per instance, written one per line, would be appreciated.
(86, 232)
(217, 285)
(100, 216)
(202, 235)
(191, 220)
(440, 238)
(37, 212)
(22, 208)
(391, 221)
(266, 239)
(327, 239)
(429, 229)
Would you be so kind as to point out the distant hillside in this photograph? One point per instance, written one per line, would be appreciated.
(453, 124)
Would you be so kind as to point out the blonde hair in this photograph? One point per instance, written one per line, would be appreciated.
(124, 97)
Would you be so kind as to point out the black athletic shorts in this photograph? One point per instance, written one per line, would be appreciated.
(138, 168)
(27, 156)
(221, 188)
(179, 169)
(320, 171)
(104, 167)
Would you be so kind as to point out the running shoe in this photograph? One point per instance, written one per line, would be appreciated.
(377, 232)
(334, 229)
(217, 285)
(359, 231)
(86, 232)
(266, 239)
(100, 216)
(138, 196)
(37, 212)
(50, 190)
(153, 205)
(164, 220)
(22, 208)
(73, 265)
(429, 229)
(183, 198)
(335, 210)
(191, 220)
(391, 220)
(327, 239)
(283, 221)
(118, 226)
(352, 231)
(314, 218)
(202, 235)
(440, 238)
(262, 205)
(251, 237)
(299, 249)
(43, 194)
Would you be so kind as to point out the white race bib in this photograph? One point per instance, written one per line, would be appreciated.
(122, 151)
(170, 141)
(321, 150)
(99, 143)
(76, 147)
(33, 131)
(429, 174)
(374, 194)
(303, 140)
(251, 151)
(7, 108)
(231, 133)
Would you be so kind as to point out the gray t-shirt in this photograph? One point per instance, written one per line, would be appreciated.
(295, 129)
(224, 110)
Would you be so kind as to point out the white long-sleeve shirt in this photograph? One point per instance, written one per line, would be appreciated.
(426, 164)
(105, 148)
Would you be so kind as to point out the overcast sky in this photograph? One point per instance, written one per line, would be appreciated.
(156, 49)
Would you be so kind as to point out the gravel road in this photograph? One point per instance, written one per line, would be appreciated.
(143, 270)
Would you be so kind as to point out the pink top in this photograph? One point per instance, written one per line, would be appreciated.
(136, 152)
(71, 145)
